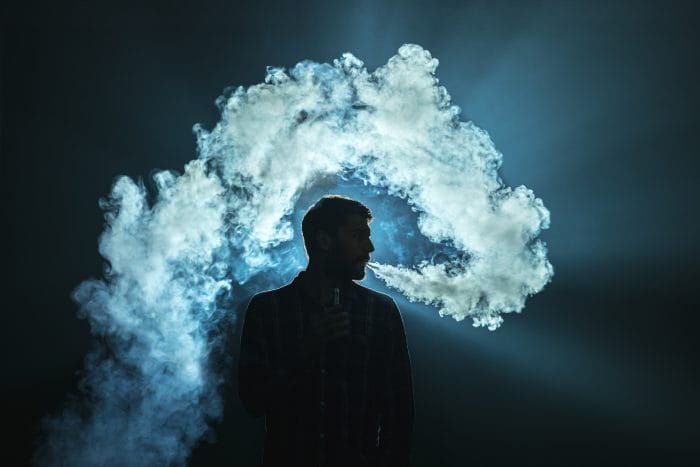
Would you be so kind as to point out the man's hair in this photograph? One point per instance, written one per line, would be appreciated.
(328, 214)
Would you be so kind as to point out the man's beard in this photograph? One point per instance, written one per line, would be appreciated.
(344, 272)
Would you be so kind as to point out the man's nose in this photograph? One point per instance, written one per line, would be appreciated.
(371, 246)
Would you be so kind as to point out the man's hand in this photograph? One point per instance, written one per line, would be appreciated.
(332, 324)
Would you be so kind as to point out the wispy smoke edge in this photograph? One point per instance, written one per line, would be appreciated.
(150, 390)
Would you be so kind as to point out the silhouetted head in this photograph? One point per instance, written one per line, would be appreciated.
(336, 236)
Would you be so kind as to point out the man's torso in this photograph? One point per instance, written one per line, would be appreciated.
(330, 417)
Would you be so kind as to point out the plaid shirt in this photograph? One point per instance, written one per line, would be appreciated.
(352, 405)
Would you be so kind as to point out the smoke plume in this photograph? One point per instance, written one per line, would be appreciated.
(150, 389)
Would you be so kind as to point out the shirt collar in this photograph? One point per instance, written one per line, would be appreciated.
(348, 290)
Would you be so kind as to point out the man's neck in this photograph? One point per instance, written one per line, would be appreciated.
(318, 284)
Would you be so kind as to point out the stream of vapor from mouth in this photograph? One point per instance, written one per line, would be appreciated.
(150, 389)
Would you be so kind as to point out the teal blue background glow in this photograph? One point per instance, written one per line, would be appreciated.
(593, 106)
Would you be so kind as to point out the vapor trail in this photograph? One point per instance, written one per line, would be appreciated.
(149, 389)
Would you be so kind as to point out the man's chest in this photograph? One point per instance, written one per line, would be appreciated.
(362, 351)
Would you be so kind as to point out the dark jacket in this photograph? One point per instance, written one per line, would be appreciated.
(352, 405)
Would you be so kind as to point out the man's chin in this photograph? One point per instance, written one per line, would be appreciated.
(359, 273)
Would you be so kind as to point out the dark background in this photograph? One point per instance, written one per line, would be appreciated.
(592, 104)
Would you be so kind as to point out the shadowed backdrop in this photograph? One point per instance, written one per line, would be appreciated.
(590, 104)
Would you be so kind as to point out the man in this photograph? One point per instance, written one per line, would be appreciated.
(333, 381)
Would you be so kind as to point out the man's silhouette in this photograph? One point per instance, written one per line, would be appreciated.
(333, 381)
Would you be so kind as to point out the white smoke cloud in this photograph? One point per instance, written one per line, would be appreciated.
(394, 128)
(150, 390)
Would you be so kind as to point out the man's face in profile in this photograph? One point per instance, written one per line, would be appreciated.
(350, 252)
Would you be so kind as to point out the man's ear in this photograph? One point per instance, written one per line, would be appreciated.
(324, 240)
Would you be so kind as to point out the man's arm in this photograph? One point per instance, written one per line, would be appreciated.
(396, 435)
(259, 386)
(253, 362)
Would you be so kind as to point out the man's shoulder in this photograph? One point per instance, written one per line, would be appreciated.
(385, 307)
(266, 297)
(381, 299)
